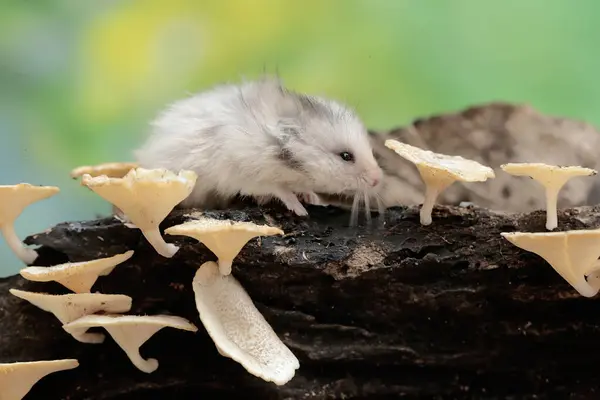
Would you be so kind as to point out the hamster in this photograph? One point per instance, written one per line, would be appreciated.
(258, 139)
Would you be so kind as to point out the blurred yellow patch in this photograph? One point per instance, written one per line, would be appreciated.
(121, 55)
(142, 51)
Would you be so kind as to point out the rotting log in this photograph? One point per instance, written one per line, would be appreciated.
(451, 310)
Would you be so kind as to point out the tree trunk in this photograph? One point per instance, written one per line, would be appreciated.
(450, 310)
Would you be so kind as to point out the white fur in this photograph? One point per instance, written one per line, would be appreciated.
(232, 135)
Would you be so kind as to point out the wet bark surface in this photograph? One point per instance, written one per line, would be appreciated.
(451, 310)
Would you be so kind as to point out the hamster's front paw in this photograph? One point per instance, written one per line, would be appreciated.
(292, 203)
(301, 211)
(312, 198)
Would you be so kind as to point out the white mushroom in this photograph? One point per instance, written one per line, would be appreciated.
(79, 276)
(13, 200)
(224, 238)
(69, 307)
(17, 379)
(146, 197)
(553, 178)
(439, 171)
(573, 254)
(238, 329)
(130, 332)
(111, 170)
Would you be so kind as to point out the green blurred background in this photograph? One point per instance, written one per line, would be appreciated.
(80, 80)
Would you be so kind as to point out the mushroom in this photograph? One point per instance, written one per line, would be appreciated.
(238, 329)
(17, 379)
(69, 307)
(111, 170)
(225, 238)
(130, 332)
(79, 276)
(573, 254)
(439, 171)
(146, 197)
(13, 200)
(553, 178)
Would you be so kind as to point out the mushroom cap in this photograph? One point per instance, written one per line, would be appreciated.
(448, 167)
(146, 196)
(15, 198)
(111, 170)
(225, 238)
(170, 321)
(77, 276)
(238, 329)
(69, 307)
(547, 174)
(573, 254)
(17, 379)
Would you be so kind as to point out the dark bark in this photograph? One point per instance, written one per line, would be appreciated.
(446, 311)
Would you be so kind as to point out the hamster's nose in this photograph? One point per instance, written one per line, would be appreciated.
(375, 177)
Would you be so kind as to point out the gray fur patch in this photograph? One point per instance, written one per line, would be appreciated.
(287, 157)
(290, 130)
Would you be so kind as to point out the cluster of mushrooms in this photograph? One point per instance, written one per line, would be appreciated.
(573, 254)
(145, 197)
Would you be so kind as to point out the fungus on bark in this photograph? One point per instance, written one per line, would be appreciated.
(553, 178)
(111, 170)
(13, 200)
(17, 379)
(146, 197)
(238, 329)
(224, 238)
(439, 171)
(130, 332)
(573, 254)
(79, 276)
(69, 307)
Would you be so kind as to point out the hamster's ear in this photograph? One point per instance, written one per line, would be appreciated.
(288, 127)
(288, 107)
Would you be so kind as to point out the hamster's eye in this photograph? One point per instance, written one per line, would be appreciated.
(349, 157)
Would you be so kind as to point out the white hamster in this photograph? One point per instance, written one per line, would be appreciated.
(261, 140)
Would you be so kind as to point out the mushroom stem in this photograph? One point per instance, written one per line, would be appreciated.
(163, 248)
(594, 282)
(26, 254)
(593, 276)
(225, 267)
(431, 194)
(148, 366)
(551, 207)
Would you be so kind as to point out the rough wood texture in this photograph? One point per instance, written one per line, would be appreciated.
(446, 311)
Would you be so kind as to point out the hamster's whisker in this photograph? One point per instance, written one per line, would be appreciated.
(366, 197)
(381, 209)
(355, 209)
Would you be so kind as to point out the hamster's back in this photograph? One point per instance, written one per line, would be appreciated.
(219, 134)
(203, 124)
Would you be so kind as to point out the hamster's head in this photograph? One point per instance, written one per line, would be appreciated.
(330, 144)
